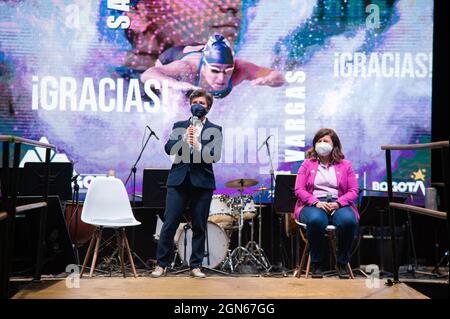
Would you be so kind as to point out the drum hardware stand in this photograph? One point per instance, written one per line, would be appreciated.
(185, 264)
(240, 253)
(253, 247)
(257, 252)
(133, 173)
(228, 261)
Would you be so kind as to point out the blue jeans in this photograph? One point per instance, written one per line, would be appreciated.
(316, 221)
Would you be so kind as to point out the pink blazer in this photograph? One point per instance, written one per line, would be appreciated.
(346, 181)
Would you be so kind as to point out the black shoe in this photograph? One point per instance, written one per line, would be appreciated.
(316, 271)
(342, 271)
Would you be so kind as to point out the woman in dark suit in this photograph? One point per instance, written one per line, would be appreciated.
(196, 144)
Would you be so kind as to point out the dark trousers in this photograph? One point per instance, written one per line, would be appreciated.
(316, 221)
(176, 200)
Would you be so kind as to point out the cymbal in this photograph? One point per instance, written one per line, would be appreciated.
(259, 205)
(241, 183)
(262, 189)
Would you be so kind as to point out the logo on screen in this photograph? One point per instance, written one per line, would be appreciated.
(418, 183)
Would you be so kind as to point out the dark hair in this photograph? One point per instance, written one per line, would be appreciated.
(199, 93)
(336, 154)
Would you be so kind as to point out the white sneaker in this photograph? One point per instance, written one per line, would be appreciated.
(197, 273)
(158, 272)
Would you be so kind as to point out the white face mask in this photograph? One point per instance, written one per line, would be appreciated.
(323, 148)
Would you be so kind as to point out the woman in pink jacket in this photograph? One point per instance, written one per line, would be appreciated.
(326, 188)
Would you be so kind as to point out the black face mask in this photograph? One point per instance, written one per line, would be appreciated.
(198, 110)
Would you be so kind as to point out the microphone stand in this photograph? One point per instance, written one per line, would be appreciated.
(185, 265)
(133, 173)
(74, 211)
(279, 264)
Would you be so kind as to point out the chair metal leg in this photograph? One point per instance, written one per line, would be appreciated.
(130, 256)
(97, 245)
(332, 243)
(308, 266)
(299, 268)
(305, 253)
(350, 271)
(88, 253)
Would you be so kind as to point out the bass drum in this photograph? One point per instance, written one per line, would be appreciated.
(80, 232)
(217, 240)
(159, 225)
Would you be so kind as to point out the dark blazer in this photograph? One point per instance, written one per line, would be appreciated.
(198, 164)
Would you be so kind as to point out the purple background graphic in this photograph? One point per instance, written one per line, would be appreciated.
(40, 39)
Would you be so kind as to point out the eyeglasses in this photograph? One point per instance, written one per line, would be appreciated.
(214, 69)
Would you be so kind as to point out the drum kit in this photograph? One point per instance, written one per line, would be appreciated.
(243, 208)
(227, 214)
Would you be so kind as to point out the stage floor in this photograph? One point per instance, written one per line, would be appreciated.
(215, 287)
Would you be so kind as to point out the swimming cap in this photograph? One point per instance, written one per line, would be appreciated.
(218, 50)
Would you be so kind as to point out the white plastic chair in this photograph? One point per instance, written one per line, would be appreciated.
(331, 230)
(107, 206)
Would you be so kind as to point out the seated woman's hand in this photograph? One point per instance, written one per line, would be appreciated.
(333, 206)
(324, 206)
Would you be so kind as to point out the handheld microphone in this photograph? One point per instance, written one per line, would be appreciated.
(329, 200)
(152, 132)
(265, 142)
(194, 119)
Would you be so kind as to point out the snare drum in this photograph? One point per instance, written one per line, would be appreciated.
(220, 211)
(249, 207)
